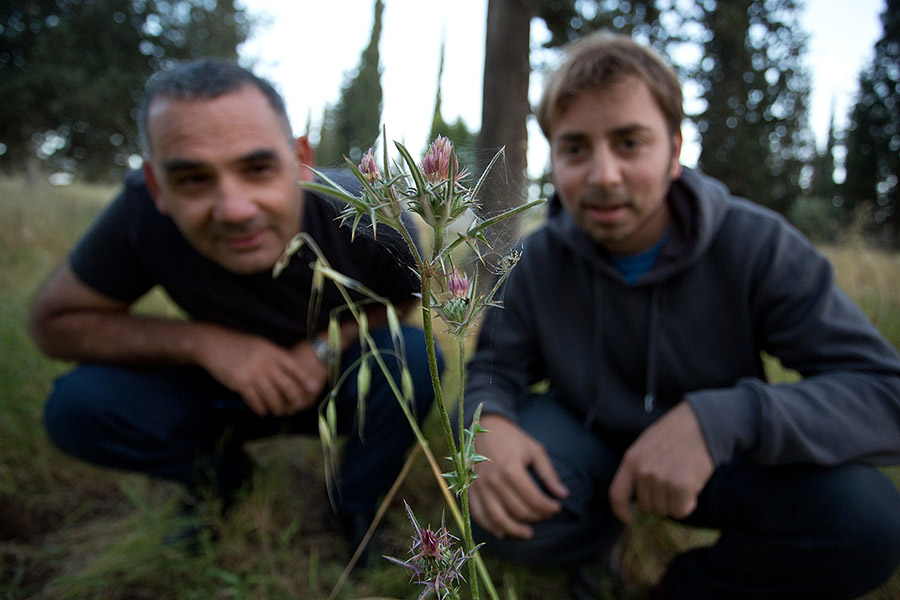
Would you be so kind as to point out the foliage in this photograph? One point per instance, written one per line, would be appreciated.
(817, 217)
(72, 71)
(754, 131)
(873, 139)
(823, 166)
(641, 19)
(356, 120)
(435, 560)
(743, 58)
(457, 132)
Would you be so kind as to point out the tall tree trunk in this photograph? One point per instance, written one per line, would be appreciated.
(505, 105)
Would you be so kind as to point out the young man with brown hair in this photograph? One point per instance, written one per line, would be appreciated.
(646, 301)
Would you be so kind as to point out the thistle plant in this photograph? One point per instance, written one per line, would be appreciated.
(437, 191)
(436, 560)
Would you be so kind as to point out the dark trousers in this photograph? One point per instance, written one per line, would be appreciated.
(179, 424)
(786, 532)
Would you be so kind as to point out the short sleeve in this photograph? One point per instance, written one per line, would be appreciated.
(105, 259)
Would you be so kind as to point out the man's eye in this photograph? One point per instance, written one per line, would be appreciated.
(630, 144)
(190, 180)
(573, 150)
(260, 169)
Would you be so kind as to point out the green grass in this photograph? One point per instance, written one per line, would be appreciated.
(72, 531)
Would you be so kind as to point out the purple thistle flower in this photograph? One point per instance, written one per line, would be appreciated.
(459, 284)
(435, 562)
(436, 163)
(368, 167)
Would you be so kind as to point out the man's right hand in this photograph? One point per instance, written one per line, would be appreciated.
(271, 379)
(505, 498)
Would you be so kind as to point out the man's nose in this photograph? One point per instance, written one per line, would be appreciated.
(606, 169)
(234, 203)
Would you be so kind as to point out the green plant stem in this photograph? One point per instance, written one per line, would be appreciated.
(457, 516)
(463, 523)
(428, 328)
(458, 460)
(464, 519)
(463, 460)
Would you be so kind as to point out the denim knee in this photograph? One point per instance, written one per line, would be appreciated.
(132, 419)
(68, 419)
(795, 532)
(872, 528)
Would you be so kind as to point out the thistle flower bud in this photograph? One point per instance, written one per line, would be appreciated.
(436, 163)
(368, 167)
(435, 561)
(458, 284)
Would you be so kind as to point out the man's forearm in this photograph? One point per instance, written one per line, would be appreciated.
(125, 338)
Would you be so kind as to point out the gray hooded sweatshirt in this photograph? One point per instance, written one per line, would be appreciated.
(732, 281)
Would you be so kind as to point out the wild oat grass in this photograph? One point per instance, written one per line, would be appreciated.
(72, 531)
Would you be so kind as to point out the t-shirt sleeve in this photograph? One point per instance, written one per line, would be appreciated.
(106, 259)
(380, 260)
(397, 268)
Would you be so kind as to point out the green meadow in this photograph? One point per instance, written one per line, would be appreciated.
(73, 531)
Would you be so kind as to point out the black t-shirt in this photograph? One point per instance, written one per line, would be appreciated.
(133, 247)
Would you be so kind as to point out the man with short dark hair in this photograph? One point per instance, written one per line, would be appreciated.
(207, 219)
(646, 301)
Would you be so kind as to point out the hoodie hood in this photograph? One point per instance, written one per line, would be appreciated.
(699, 204)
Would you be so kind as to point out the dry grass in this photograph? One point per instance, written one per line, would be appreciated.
(69, 530)
(871, 277)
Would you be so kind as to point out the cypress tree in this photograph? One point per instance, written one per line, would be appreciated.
(754, 131)
(873, 138)
(71, 72)
(354, 124)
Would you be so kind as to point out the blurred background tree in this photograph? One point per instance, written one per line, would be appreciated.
(457, 132)
(754, 130)
(873, 137)
(742, 60)
(354, 124)
(71, 72)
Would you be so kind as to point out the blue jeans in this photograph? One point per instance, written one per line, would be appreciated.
(786, 532)
(178, 423)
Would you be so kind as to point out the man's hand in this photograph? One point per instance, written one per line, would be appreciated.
(665, 469)
(505, 498)
(271, 379)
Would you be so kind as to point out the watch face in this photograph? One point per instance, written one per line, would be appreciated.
(321, 349)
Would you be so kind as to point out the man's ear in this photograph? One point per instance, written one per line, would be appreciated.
(306, 157)
(153, 187)
(675, 167)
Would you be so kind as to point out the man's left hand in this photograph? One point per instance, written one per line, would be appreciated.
(665, 469)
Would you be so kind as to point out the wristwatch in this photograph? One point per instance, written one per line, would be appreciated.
(321, 349)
